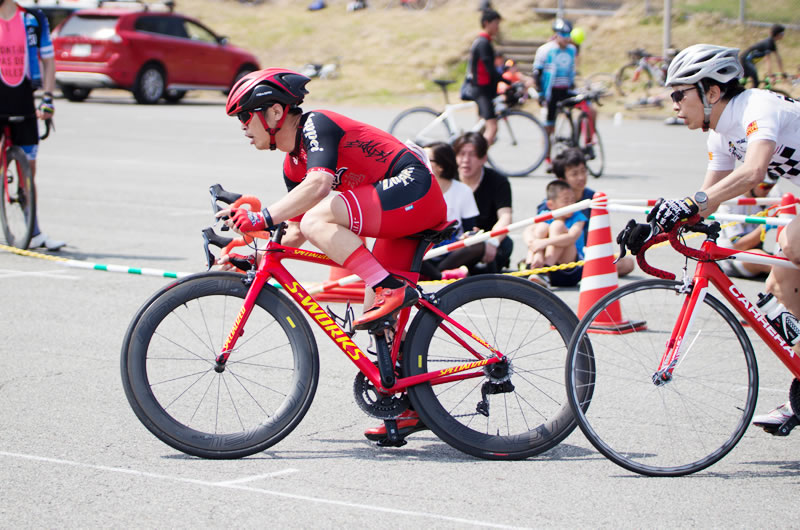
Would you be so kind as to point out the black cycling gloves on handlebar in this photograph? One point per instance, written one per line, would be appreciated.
(634, 236)
(667, 212)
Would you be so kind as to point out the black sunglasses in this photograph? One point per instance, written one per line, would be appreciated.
(678, 95)
(246, 116)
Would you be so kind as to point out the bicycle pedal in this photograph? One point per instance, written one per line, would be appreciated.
(786, 427)
(393, 438)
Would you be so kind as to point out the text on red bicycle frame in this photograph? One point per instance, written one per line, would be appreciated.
(325, 322)
(759, 316)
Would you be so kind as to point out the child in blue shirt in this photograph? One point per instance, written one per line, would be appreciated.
(559, 240)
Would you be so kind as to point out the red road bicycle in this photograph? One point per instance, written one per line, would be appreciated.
(224, 365)
(667, 397)
(18, 193)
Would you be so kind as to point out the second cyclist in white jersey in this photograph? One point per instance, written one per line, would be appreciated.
(759, 129)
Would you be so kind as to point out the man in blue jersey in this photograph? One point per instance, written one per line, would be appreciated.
(554, 74)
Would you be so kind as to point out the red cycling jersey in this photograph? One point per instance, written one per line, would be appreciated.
(388, 189)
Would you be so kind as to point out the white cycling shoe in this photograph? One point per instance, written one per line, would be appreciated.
(772, 420)
(43, 240)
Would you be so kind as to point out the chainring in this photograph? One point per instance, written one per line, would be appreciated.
(794, 396)
(377, 405)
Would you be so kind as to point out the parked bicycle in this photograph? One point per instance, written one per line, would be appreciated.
(521, 142)
(18, 193)
(644, 72)
(224, 365)
(574, 127)
(667, 397)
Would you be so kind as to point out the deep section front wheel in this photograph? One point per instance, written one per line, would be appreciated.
(520, 146)
(511, 410)
(688, 420)
(179, 393)
(419, 124)
(17, 199)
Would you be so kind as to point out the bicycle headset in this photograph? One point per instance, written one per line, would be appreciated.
(704, 61)
(256, 91)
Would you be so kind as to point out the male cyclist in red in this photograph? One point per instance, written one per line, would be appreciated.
(386, 188)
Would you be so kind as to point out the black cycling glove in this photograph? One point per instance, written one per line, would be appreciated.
(667, 213)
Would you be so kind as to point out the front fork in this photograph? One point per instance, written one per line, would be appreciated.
(675, 348)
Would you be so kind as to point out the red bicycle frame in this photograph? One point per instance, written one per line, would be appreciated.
(708, 272)
(271, 267)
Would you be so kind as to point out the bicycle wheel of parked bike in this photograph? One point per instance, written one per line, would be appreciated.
(592, 150)
(513, 410)
(168, 367)
(631, 81)
(420, 125)
(563, 134)
(520, 146)
(18, 204)
(680, 426)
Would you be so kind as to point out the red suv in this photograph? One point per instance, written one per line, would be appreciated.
(153, 54)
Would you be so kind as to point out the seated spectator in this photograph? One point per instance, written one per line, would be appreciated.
(492, 192)
(460, 205)
(570, 166)
(557, 241)
(746, 236)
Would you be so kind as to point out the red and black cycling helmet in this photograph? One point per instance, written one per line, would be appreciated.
(256, 91)
(262, 88)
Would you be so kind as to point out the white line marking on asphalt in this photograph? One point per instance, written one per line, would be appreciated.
(250, 489)
(256, 477)
(8, 273)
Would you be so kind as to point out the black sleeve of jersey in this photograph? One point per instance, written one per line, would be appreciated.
(321, 137)
(290, 184)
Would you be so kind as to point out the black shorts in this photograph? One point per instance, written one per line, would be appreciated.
(556, 95)
(485, 100)
(26, 132)
(18, 101)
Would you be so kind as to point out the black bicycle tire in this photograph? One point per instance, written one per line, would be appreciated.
(16, 158)
(563, 132)
(575, 401)
(212, 445)
(523, 148)
(443, 136)
(619, 79)
(595, 169)
(425, 401)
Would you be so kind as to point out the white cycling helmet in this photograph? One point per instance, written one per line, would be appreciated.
(704, 61)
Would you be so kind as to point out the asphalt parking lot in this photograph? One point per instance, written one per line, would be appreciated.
(126, 184)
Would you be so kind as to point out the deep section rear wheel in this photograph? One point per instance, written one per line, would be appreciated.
(18, 199)
(520, 146)
(417, 124)
(168, 367)
(674, 428)
(511, 410)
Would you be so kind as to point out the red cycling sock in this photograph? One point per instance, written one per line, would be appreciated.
(363, 263)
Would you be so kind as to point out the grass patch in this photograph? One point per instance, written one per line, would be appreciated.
(391, 55)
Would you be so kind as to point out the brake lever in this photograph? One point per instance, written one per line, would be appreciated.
(218, 193)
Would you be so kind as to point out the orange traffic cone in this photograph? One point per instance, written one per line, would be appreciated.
(600, 274)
